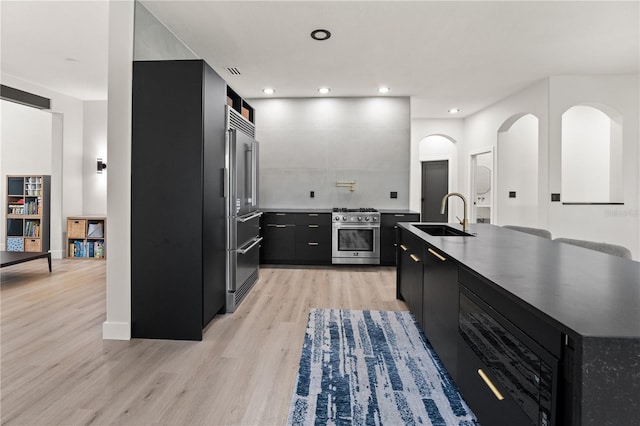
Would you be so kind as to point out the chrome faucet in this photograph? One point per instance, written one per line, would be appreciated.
(464, 222)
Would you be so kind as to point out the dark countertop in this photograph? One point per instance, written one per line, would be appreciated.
(584, 291)
(309, 210)
(329, 210)
(398, 211)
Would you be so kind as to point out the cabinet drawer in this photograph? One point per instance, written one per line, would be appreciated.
(542, 332)
(313, 252)
(313, 233)
(483, 402)
(516, 365)
(32, 244)
(279, 219)
(391, 219)
(76, 228)
(318, 219)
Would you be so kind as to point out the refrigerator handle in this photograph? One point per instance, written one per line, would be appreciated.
(225, 182)
(229, 134)
(254, 174)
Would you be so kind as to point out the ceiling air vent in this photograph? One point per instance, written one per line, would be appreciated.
(233, 70)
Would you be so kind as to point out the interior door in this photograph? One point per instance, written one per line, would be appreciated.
(435, 185)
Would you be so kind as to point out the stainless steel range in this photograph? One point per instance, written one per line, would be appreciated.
(356, 236)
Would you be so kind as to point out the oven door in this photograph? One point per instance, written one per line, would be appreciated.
(356, 244)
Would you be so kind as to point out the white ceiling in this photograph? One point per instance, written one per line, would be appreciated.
(467, 54)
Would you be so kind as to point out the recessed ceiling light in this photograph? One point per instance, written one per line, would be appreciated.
(324, 90)
(383, 89)
(268, 91)
(454, 110)
(320, 34)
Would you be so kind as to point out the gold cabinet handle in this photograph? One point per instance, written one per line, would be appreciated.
(414, 257)
(403, 247)
(436, 254)
(489, 383)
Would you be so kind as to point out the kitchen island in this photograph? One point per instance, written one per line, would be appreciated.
(554, 328)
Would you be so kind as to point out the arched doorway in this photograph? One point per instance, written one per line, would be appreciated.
(516, 197)
(438, 157)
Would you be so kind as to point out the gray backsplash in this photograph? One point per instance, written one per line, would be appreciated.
(308, 144)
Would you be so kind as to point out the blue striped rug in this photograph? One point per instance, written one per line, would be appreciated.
(372, 368)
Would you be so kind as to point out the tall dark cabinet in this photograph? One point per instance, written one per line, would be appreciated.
(177, 201)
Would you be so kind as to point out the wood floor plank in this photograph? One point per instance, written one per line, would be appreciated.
(56, 369)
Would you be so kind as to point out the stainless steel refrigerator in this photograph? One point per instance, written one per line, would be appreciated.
(242, 208)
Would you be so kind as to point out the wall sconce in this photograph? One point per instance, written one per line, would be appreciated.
(101, 166)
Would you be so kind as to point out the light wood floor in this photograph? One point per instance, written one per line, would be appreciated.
(56, 369)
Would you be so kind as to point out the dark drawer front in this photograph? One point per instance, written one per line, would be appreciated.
(547, 336)
(313, 234)
(320, 219)
(279, 218)
(515, 364)
(315, 253)
(480, 398)
(391, 219)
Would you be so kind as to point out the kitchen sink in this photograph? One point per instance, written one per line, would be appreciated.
(443, 231)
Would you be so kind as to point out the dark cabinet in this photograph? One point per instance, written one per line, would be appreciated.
(440, 306)
(506, 376)
(296, 238)
(278, 231)
(388, 226)
(409, 274)
(313, 239)
(178, 280)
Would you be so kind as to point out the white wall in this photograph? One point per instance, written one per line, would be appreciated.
(25, 147)
(586, 147)
(617, 224)
(518, 162)
(121, 27)
(547, 100)
(65, 157)
(94, 194)
(482, 129)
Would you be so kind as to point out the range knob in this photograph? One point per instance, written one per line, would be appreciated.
(375, 219)
(337, 218)
(359, 217)
(367, 218)
(344, 218)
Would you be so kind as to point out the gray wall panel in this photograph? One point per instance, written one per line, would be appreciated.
(307, 144)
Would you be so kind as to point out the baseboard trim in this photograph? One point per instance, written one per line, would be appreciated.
(116, 330)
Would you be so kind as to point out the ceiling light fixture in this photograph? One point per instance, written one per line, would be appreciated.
(268, 91)
(383, 89)
(320, 34)
(454, 110)
(324, 90)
